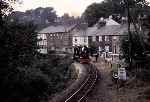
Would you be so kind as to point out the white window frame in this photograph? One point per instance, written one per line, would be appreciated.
(106, 38)
(100, 38)
(107, 48)
(115, 38)
(100, 48)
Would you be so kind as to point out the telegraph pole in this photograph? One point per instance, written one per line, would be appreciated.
(129, 32)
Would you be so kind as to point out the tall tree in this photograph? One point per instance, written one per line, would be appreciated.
(4, 7)
(111, 7)
(17, 48)
(41, 17)
(103, 9)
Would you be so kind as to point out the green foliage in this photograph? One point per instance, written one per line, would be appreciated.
(57, 69)
(37, 82)
(18, 50)
(103, 9)
(139, 54)
(28, 84)
(137, 49)
(144, 74)
(21, 43)
(24, 77)
(41, 19)
(94, 12)
(116, 8)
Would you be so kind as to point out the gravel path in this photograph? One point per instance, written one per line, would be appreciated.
(104, 90)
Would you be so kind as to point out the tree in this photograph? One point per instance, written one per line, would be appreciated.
(4, 7)
(41, 17)
(137, 49)
(103, 9)
(93, 13)
(115, 8)
(17, 49)
(24, 77)
(140, 56)
(21, 42)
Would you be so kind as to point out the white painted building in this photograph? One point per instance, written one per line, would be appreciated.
(80, 34)
(105, 35)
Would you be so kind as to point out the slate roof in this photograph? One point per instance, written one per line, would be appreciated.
(111, 30)
(57, 29)
(106, 30)
(85, 32)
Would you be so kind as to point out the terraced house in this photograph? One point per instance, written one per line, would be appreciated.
(109, 35)
(106, 35)
(57, 38)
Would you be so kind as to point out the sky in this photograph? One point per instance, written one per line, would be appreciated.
(72, 7)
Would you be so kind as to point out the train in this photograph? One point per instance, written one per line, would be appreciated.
(81, 54)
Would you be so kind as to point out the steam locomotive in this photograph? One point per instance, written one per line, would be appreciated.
(81, 54)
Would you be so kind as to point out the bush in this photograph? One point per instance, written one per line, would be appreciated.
(144, 73)
(140, 60)
(58, 71)
(27, 76)
(18, 50)
(35, 83)
(25, 84)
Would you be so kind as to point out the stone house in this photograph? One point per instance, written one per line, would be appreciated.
(80, 34)
(57, 38)
(109, 37)
(106, 35)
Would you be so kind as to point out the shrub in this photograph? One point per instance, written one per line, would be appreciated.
(26, 84)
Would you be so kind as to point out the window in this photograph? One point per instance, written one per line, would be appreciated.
(114, 38)
(100, 38)
(89, 40)
(75, 40)
(100, 48)
(93, 38)
(107, 48)
(97, 38)
(115, 49)
(106, 38)
(61, 37)
(84, 40)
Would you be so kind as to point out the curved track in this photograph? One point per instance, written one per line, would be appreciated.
(86, 87)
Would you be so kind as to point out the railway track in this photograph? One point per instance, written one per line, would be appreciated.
(86, 87)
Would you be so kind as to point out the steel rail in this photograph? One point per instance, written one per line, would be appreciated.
(88, 85)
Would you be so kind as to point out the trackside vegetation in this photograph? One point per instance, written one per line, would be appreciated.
(26, 75)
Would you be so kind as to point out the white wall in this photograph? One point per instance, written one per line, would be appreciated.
(80, 40)
(42, 42)
(43, 51)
